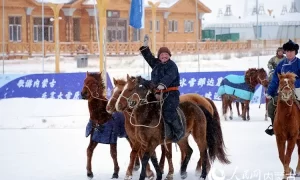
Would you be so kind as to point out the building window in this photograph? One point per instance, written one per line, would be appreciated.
(136, 35)
(38, 30)
(188, 26)
(15, 29)
(173, 26)
(76, 29)
(157, 26)
(259, 31)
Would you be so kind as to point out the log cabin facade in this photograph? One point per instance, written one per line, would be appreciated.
(23, 30)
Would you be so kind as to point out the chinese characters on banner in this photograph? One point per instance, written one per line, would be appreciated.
(69, 85)
(54, 86)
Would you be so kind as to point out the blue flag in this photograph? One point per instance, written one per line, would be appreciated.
(137, 14)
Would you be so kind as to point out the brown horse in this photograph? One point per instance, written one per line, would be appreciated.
(196, 125)
(253, 77)
(93, 91)
(130, 130)
(287, 122)
(205, 102)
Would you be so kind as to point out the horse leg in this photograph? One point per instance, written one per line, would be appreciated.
(168, 154)
(149, 172)
(291, 142)
(248, 115)
(114, 155)
(281, 149)
(244, 109)
(89, 153)
(224, 107)
(162, 158)
(155, 164)
(230, 108)
(185, 147)
(298, 165)
(137, 161)
(238, 108)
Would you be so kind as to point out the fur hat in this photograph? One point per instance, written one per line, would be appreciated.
(291, 46)
(163, 50)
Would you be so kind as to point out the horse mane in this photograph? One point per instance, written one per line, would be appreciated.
(99, 79)
(250, 78)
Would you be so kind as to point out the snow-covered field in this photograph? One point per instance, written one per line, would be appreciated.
(44, 139)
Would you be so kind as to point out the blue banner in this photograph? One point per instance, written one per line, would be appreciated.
(207, 83)
(69, 85)
(54, 86)
(137, 12)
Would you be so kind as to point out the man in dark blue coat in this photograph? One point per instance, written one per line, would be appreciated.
(166, 76)
(289, 64)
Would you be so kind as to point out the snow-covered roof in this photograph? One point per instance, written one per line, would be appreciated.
(290, 19)
(56, 1)
(263, 19)
(163, 3)
(227, 21)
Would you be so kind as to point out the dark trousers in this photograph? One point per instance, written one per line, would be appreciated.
(272, 108)
(170, 115)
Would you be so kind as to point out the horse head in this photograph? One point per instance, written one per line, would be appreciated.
(286, 89)
(93, 87)
(135, 90)
(116, 92)
(255, 76)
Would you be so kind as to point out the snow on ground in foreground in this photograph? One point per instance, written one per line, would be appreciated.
(45, 140)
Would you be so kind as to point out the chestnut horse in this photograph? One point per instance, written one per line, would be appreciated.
(205, 102)
(146, 112)
(93, 91)
(252, 78)
(287, 122)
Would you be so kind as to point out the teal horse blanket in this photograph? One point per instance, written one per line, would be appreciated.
(235, 85)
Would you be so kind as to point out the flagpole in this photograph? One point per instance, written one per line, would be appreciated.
(43, 38)
(3, 25)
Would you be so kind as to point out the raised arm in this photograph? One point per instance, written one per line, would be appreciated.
(147, 54)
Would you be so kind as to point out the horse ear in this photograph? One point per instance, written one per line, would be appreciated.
(279, 75)
(115, 81)
(128, 78)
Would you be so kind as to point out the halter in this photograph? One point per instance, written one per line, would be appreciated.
(95, 97)
(291, 90)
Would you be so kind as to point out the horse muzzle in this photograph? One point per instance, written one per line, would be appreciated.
(285, 96)
(83, 96)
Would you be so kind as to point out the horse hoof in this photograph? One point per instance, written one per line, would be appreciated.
(169, 177)
(297, 175)
(183, 175)
(90, 174)
(136, 167)
(230, 118)
(128, 177)
(151, 177)
(202, 178)
(115, 176)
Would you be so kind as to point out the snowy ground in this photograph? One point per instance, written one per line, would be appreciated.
(44, 139)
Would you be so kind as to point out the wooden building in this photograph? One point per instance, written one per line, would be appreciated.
(176, 22)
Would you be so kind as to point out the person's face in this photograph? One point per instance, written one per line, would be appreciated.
(280, 53)
(164, 57)
(290, 55)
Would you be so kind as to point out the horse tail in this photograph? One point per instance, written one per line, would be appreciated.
(216, 114)
(214, 138)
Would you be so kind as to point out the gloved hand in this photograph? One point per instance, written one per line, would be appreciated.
(146, 40)
(268, 96)
(160, 87)
(158, 96)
